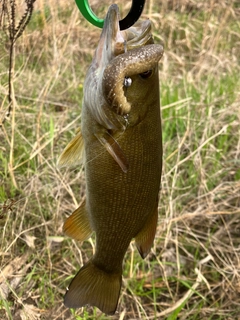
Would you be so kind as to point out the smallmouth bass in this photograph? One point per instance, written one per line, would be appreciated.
(122, 142)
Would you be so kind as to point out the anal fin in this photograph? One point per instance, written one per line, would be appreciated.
(113, 148)
(145, 237)
(77, 226)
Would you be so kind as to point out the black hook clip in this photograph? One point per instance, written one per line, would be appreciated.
(133, 15)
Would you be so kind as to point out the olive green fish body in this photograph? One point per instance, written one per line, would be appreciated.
(121, 133)
(120, 203)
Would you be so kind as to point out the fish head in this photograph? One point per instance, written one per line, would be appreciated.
(120, 57)
(111, 44)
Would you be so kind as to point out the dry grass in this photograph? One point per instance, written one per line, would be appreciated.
(193, 271)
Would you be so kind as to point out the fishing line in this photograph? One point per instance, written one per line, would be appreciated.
(104, 150)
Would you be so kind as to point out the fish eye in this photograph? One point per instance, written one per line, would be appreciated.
(147, 74)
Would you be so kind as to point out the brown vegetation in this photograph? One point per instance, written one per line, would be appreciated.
(193, 271)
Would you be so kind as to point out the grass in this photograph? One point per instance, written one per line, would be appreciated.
(193, 270)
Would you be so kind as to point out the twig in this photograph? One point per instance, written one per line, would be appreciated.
(8, 22)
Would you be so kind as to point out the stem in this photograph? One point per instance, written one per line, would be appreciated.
(12, 106)
(10, 78)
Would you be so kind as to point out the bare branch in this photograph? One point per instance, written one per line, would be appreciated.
(8, 23)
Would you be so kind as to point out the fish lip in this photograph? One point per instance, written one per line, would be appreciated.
(111, 41)
(111, 23)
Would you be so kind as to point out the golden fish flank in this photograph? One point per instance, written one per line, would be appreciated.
(122, 141)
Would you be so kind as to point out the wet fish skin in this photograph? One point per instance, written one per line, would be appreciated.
(123, 161)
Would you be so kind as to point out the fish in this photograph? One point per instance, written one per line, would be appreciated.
(120, 141)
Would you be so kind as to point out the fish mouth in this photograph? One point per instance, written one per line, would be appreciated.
(114, 42)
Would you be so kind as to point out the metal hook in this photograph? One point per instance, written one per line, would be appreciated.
(133, 15)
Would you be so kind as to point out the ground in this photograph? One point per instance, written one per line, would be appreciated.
(193, 270)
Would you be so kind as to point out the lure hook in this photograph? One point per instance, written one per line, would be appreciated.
(133, 15)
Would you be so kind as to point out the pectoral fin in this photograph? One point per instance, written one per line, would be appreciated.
(145, 237)
(113, 148)
(77, 226)
(73, 152)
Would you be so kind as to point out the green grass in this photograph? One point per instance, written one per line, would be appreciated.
(193, 270)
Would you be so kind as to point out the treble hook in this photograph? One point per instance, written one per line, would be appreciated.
(133, 15)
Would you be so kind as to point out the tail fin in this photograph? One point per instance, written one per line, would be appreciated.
(95, 287)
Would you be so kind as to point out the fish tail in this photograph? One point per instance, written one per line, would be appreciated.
(95, 287)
